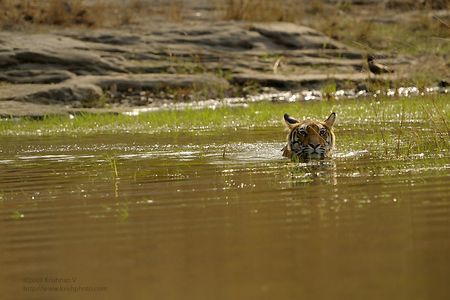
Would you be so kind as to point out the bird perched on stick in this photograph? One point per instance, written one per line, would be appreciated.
(377, 68)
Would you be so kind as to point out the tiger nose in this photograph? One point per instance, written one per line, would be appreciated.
(314, 146)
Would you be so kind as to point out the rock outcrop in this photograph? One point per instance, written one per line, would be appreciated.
(67, 67)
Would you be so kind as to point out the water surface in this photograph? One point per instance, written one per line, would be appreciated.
(220, 215)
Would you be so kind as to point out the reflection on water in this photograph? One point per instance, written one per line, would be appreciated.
(219, 216)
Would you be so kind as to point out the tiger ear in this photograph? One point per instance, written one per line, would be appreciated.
(290, 121)
(330, 120)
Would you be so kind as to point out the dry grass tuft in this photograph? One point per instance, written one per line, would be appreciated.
(264, 10)
(377, 28)
(415, 4)
(21, 13)
(53, 12)
(173, 11)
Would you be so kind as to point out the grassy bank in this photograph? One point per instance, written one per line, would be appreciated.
(433, 110)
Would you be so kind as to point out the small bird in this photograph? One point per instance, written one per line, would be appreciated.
(443, 83)
(377, 68)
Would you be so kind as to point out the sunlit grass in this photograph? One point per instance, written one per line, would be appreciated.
(434, 110)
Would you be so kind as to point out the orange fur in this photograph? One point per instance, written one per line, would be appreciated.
(309, 138)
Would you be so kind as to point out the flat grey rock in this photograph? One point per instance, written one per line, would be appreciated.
(36, 76)
(65, 93)
(294, 36)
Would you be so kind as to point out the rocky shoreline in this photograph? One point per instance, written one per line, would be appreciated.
(110, 70)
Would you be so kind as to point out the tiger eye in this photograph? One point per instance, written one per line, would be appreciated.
(302, 132)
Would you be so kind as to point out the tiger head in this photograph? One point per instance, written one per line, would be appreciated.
(309, 139)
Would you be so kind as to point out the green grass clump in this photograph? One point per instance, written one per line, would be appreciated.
(434, 110)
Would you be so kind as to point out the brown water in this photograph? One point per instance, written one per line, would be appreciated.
(219, 216)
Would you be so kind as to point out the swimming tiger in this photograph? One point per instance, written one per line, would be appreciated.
(309, 139)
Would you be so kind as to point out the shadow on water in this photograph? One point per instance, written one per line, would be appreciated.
(208, 216)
